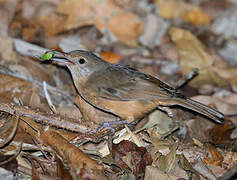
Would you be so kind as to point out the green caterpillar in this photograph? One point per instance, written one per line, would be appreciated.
(46, 56)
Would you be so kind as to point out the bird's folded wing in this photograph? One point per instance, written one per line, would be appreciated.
(136, 89)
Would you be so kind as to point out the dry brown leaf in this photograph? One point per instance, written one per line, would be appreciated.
(72, 14)
(221, 134)
(193, 54)
(12, 89)
(25, 28)
(216, 159)
(166, 163)
(173, 9)
(177, 9)
(183, 162)
(153, 172)
(36, 70)
(9, 162)
(79, 163)
(197, 17)
(129, 156)
(53, 23)
(9, 129)
(62, 172)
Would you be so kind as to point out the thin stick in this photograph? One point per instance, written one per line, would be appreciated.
(186, 78)
(53, 120)
(47, 96)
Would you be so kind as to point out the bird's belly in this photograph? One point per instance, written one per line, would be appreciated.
(127, 109)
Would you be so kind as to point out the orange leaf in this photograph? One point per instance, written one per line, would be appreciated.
(71, 14)
(197, 17)
(216, 159)
(110, 57)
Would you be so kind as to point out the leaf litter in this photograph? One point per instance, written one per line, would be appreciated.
(63, 142)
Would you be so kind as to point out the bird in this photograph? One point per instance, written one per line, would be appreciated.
(121, 90)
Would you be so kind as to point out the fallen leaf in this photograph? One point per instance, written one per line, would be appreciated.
(62, 172)
(153, 173)
(170, 9)
(8, 129)
(173, 9)
(216, 158)
(166, 163)
(129, 156)
(197, 17)
(110, 57)
(9, 162)
(221, 134)
(71, 14)
(53, 23)
(6, 49)
(21, 27)
(79, 163)
(188, 167)
(193, 54)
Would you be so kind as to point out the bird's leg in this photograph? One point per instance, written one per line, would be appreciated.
(108, 124)
(183, 81)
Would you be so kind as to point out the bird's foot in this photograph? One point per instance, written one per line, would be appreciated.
(108, 125)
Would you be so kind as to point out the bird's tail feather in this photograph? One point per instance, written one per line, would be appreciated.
(202, 109)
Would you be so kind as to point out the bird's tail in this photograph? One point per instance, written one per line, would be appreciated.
(201, 108)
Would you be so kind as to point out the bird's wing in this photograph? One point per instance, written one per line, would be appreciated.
(128, 85)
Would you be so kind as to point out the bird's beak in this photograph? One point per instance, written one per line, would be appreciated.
(61, 57)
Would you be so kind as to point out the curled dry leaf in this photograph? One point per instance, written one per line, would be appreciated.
(72, 14)
(9, 128)
(129, 156)
(194, 55)
(79, 163)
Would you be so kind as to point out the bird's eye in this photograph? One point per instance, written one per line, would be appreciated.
(82, 60)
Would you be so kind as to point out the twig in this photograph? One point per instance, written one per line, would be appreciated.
(26, 146)
(186, 78)
(47, 96)
(53, 120)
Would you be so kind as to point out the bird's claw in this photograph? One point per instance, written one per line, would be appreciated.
(106, 125)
